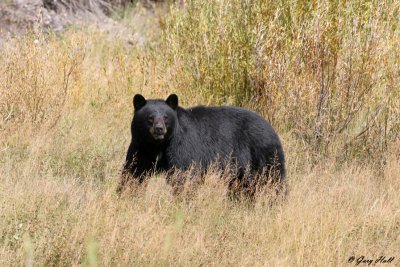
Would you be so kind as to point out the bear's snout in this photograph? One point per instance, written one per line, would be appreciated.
(159, 130)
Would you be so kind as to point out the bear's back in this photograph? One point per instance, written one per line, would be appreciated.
(222, 113)
(206, 133)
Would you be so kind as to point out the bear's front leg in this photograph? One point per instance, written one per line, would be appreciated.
(138, 164)
(129, 170)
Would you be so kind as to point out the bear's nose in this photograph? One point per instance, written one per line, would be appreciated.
(159, 129)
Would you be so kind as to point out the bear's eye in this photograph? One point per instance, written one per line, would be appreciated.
(150, 119)
(165, 118)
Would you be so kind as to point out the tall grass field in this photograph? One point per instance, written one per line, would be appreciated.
(325, 74)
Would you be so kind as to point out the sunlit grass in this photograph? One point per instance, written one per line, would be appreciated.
(327, 82)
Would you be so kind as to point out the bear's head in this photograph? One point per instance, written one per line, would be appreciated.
(154, 119)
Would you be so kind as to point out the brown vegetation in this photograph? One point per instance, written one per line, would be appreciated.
(325, 75)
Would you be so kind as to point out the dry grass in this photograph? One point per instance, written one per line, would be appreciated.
(328, 217)
(66, 106)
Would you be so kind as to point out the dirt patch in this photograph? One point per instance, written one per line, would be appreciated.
(22, 16)
(18, 17)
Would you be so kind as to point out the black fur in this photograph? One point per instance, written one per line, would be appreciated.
(201, 136)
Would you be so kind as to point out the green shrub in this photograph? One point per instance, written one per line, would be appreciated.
(326, 72)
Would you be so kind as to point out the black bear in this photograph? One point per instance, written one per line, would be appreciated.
(166, 136)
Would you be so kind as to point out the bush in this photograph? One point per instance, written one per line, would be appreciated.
(325, 72)
(36, 78)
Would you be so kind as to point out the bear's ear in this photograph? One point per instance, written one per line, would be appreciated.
(138, 101)
(172, 101)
